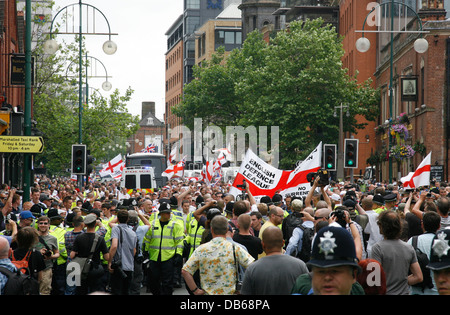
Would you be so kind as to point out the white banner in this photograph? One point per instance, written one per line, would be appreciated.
(266, 180)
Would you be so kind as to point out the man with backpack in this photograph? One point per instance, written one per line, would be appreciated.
(298, 233)
(12, 280)
(5, 263)
(431, 222)
(122, 253)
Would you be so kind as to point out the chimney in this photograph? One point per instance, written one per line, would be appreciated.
(148, 107)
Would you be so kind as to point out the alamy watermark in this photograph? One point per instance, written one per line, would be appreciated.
(202, 142)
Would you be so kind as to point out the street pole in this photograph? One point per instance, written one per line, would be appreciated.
(27, 108)
(391, 83)
(340, 173)
(340, 164)
(80, 87)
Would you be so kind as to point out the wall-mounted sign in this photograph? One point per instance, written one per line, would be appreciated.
(16, 144)
(17, 75)
(409, 89)
(215, 4)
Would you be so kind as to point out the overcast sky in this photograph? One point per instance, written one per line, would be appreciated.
(139, 62)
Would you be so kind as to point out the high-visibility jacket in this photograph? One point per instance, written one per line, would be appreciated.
(380, 209)
(178, 215)
(165, 241)
(59, 233)
(194, 232)
(107, 237)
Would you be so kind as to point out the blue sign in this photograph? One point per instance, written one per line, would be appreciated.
(215, 4)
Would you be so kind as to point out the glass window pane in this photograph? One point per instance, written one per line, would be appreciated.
(193, 4)
(146, 181)
(239, 38)
(130, 181)
(229, 37)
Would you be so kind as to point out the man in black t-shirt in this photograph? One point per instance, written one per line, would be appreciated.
(252, 243)
(82, 247)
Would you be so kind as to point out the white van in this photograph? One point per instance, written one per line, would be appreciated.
(138, 178)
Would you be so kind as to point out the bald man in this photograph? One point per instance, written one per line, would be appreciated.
(265, 276)
(4, 262)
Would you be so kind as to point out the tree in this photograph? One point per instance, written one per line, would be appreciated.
(294, 83)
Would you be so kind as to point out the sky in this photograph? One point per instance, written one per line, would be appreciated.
(139, 61)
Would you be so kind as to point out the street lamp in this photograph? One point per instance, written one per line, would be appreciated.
(106, 86)
(109, 47)
(420, 44)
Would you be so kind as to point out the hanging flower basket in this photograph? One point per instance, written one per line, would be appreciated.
(403, 119)
(400, 152)
(399, 131)
(420, 148)
(379, 130)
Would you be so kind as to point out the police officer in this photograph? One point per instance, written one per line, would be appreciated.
(59, 270)
(440, 261)
(164, 243)
(333, 264)
(390, 201)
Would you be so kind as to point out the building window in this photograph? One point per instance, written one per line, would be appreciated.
(189, 74)
(201, 45)
(228, 37)
(192, 4)
(192, 23)
(190, 49)
(432, 4)
(384, 105)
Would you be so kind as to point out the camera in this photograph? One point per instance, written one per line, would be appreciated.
(238, 287)
(243, 186)
(323, 174)
(340, 217)
(47, 253)
(117, 266)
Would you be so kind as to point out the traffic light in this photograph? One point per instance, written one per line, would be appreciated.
(329, 161)
(351, 153)
(89, 161)
(78, 159)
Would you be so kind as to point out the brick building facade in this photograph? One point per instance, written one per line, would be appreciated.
(12, 97)
(427, 113)
(12, 34)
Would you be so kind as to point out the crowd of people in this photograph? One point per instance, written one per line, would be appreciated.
(342, 238)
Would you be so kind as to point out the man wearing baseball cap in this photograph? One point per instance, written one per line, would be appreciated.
(333, 264)
(26, 218)
(440, 261)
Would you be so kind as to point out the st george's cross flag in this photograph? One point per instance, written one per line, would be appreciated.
(420, 177)
(174, 170)
(113, 167)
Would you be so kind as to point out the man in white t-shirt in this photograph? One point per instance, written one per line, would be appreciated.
(372, 228)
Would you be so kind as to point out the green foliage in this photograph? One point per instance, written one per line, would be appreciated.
(295, 82)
